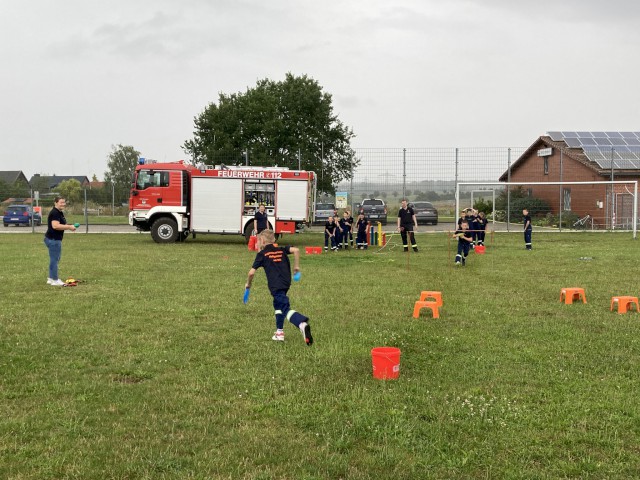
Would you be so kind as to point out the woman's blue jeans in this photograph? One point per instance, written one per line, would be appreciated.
(55, 252)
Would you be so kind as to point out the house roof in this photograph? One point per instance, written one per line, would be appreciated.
(12, 176)
(580, 154)
(54, 180)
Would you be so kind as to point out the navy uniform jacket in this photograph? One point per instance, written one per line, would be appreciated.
(276, 265)
(330, 227)
(465, 234)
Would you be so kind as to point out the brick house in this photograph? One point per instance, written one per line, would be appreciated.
(567, 157)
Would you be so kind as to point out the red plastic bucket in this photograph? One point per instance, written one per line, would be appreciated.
(252, 242)
(386, 362)
(480, 249)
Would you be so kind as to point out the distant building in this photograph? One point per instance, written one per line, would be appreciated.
(13, 177)
(582, 157)
(50, 182)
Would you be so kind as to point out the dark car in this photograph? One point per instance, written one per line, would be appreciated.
(20, 215)
(323, 212)
(374, 209)
(425, 213)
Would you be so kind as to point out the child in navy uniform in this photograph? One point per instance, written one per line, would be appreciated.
(482, 227)
(330, 234)
(338, 231)
(275, 261)
(345, 230)
(464, 242)
(361, 238)
(351, 227)
(527, 228)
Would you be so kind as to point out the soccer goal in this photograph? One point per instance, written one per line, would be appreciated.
(598, 205)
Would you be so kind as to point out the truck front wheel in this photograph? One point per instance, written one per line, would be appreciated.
(164, 230)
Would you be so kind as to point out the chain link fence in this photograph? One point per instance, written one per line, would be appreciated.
(418, 174)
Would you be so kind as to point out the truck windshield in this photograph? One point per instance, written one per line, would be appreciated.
(150, 178)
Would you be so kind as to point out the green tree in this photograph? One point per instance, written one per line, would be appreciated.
(40, 183)
(122, 163)
(276, 123)
(70, 189)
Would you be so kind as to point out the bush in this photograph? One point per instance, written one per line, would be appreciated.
(483, 205)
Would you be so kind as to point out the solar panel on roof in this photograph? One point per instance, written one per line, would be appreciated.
(600, 147)
(593, 154)
(556, 136)
(625, 164)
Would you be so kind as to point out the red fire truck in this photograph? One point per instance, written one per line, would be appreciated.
(172, 200)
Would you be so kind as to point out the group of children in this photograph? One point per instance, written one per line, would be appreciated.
(470, 233)
(339, 233)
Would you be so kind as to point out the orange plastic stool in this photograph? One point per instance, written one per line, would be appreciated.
(420, 305)
(437, 296)
(624, 303)
(571, 294)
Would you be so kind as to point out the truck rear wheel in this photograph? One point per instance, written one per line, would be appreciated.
(164, 230)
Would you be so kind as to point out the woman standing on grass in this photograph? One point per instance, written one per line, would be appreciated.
(56, 225)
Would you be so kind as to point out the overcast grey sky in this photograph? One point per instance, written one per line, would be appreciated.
(78, 76)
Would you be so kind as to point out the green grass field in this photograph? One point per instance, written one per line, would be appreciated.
(152, 368)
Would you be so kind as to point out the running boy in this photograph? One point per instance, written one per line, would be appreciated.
(464, 242)
(275, 261)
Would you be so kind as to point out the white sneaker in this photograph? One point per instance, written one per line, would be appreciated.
(278, 337)
(50, 281)
(57, 283)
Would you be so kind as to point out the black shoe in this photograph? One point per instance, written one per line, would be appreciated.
(415, 249)
(307, 335)
(406, 249)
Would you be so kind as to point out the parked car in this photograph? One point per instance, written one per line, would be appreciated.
(374, 209)
(425, 213)
(323, 212)
(20, 215)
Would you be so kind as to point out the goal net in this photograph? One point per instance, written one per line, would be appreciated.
(597, 205)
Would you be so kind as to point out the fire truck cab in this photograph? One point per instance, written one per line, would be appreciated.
(173, 200)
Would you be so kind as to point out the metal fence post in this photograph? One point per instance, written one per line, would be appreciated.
(404, 173)
(456, 183)
(508, 187)
(561, 206)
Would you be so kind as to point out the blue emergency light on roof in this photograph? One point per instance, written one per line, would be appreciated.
(141, 161)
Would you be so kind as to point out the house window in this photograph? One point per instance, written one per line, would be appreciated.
(546, 165)
(566, 199)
